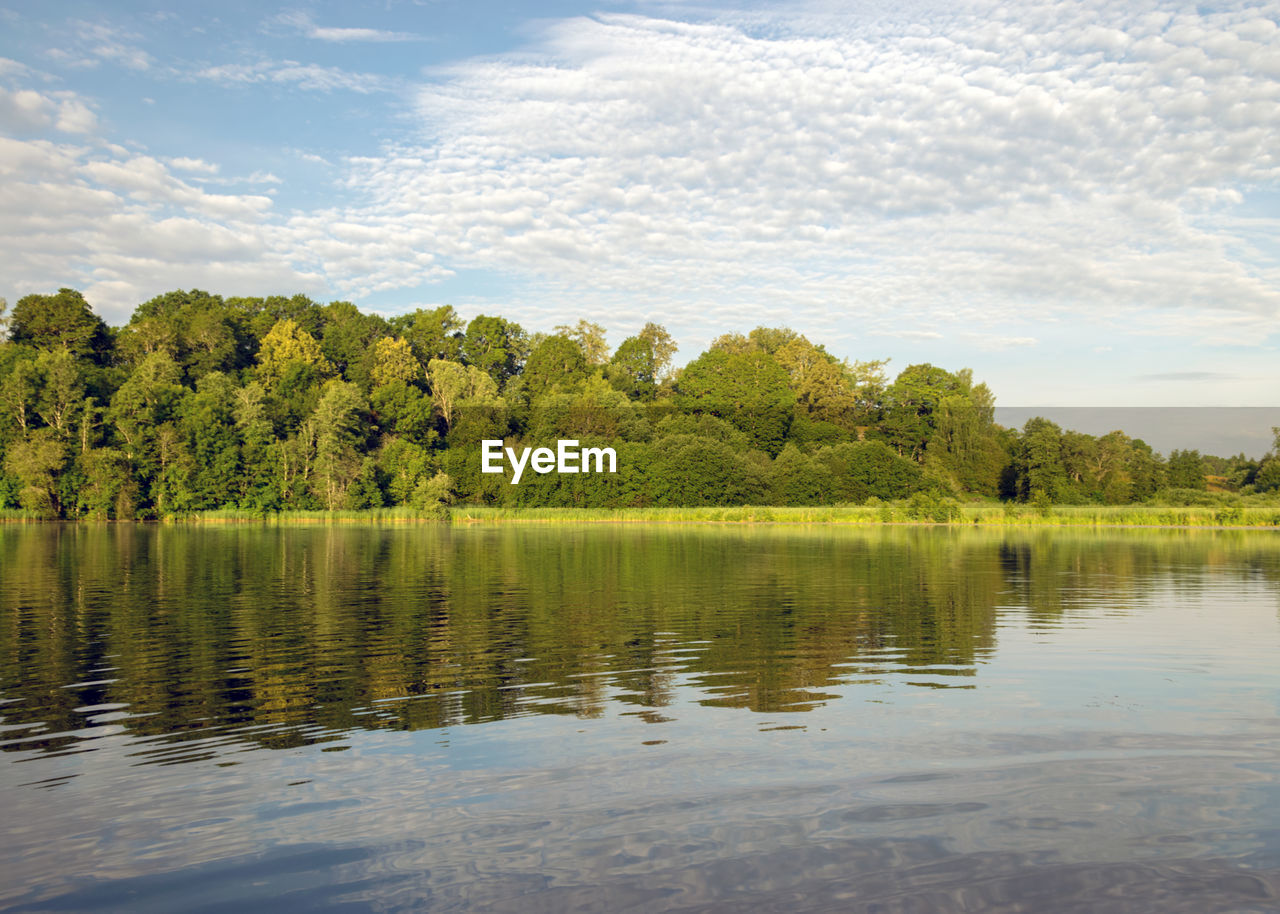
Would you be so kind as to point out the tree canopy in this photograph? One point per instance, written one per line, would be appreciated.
(274, 403)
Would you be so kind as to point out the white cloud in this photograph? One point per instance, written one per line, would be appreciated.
(997, 343)
(307, 26)
(148, 181)
(90, 44)
(123, 227)
(915, 335)
(74, 116)
(1006, 163)
(312, 77)
(25, 111)
(355, 34)
(200, 166)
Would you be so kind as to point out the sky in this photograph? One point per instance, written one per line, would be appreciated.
(1078, 200)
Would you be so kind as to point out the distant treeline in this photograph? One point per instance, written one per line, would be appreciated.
(268, 404)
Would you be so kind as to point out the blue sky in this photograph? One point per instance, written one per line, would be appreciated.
(1078, 200)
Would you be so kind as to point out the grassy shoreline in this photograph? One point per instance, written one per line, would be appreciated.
(891, 513)
(985, 514)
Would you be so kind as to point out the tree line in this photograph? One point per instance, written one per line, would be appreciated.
(202, 402)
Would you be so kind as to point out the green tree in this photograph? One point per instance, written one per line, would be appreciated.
(1109, 468)
(207, 422)
(349, 341)
(773, 339)
(402, 409)
(256, 482)
(393, 360)
(966, 447)
(749, 389)
(692, 470)
(587, 490)
(497, 347)
(141, 413)
(590, 338)
(1145, 470)
(338, 426)
(434, 334)
(287, 345)
(61, 390)
(405, 465)
(733, 344)
(1186, 470)
(434, 494)
(474, 421)
(292, 398)
(259, 315)
(60, 321)
(797, 479)
(821, 383)
(20, 387)
(110, 490)
(295, 458)
(591, 410)
(912, 403)
(661, 344)
(38, 461)
(197, 330)
(1079, 457)
(1038, 459)
(1263, 475)
(634, 369)
(863, 469)
(454, 384)
(557, 360)
(1267, 477)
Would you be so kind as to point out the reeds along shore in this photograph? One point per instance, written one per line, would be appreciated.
(911, 511)
(901, 512)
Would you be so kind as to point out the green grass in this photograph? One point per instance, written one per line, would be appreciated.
(401, 515)
(748, 514)
(970, 514)
(1248, 512)
(1127, 515)
(18, 514)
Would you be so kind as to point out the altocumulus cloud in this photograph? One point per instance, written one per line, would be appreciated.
(1004, 162)
(994, 166)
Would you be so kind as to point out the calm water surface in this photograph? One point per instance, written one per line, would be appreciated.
(638, 718)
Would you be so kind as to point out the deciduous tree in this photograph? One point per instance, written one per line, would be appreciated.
(497, 347)
(590, 338)
(749, 389)
(63, 321)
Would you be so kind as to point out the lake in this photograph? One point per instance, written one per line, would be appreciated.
(647, 718)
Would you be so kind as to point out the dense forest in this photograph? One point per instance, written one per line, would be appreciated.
(276, 404)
